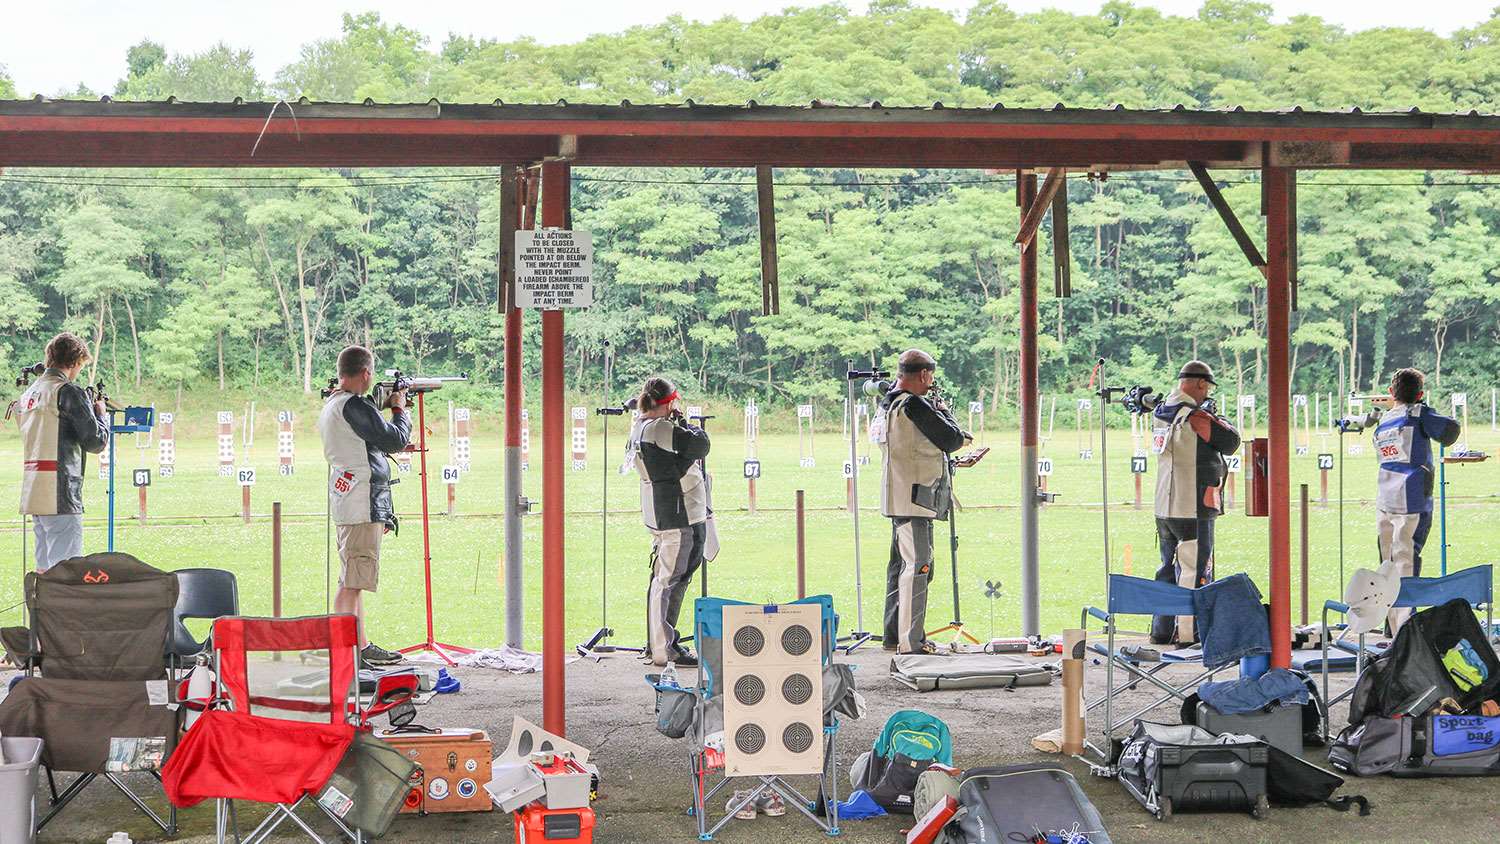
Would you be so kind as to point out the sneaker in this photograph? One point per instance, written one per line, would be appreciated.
(928, 647)
(771, 804)
(889, 647)
(376, 655)
(685, 659)
(747, 812)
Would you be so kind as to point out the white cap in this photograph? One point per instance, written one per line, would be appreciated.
(1370, 595)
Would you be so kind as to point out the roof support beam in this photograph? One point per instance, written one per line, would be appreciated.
(1221, 205)
(770, 281)
(1062, 246)
(1037, 209)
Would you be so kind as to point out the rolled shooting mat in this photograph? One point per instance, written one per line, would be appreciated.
(1073, 643)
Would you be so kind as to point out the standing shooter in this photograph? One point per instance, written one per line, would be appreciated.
(666, 451)
(915, 489)
(58, 426)
(1403, 500)
(355, 442)
(1190, 441)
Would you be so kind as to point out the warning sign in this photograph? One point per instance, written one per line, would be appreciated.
(554, 269)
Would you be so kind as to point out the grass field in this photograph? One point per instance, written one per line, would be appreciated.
(195, 522)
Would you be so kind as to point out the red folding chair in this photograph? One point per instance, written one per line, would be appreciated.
(286, 710)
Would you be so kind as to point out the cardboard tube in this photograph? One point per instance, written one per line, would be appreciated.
(1073, 643)
(1072, 707)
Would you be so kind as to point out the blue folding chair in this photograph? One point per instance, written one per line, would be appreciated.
(1475, 585)
(708, 632)
(1138, 596)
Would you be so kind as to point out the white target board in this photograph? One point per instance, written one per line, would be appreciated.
(580, 438)
(773, 690)
(166, 445)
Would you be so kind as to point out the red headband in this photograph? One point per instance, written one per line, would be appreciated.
(668, 398)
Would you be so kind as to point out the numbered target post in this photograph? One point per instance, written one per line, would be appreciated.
(1355, 406)
(1043, 472)
(166, 446)
(1299, 406)
(141, 480)
(580, 438)
(1325, 464)
(752, 450)
(525, 439)
(245, 477)
(451, 476)
(976, 408)
(1083, 425)
(1137, 469)
(805, 457)
(460, 450)
(105, 458)
(1461, 409)
(286, 453)
(226, 443)
(1232, 462)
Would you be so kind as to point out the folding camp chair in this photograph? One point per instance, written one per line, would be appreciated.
(284, 716)
(708, 631)
(201, 594)
(96, 688)
(1475, 585)
(1138, 596)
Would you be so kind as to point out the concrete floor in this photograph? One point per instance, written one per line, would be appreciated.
(646, 787)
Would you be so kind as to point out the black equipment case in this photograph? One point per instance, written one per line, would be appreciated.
(1176, 767)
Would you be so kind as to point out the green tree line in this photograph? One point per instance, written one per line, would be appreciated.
(203, 280)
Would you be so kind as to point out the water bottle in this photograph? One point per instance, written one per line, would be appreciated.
(669, 675)
(119, 838)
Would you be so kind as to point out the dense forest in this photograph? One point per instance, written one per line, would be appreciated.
(202, 279)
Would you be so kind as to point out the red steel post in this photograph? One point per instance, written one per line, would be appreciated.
(555, 177)
(1280, 217)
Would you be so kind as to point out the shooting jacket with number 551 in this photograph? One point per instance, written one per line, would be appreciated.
(918, 439)
(355, 441)
(667, 451)
(1190, 444)
(58, 427)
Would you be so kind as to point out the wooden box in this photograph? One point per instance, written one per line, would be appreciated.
(454, 767)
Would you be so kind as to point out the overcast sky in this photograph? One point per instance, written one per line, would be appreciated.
(50, 45)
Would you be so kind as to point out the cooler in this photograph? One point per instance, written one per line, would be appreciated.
(535, 825)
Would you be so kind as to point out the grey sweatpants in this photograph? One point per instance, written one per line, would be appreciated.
(906, 577)
(58, 538)
(675, 555)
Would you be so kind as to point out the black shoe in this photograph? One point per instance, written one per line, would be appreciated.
(685, 659)
(373, 654)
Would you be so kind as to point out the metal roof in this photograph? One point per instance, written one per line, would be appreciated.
(43, 132)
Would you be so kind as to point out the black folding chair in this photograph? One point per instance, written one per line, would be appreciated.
(202, 594)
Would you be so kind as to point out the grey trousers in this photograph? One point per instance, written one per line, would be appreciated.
(58, 538)
(675, 555)
(906, 577)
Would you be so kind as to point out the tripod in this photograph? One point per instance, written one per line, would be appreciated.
(431, 644)
(599, 642)
(956, 626)
(859, 636)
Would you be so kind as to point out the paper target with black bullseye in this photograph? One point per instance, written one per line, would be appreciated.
(773, 702)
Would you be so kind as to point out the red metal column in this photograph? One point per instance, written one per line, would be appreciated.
(555, 178)
(1030, 569)
(513, 196)
(1280, 217)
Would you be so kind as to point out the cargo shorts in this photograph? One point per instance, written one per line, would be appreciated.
(359, 554)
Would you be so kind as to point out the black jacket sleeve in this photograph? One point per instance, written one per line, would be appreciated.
(367, 423)
(689, 442)
(74, 411)
(938, 426)
(1216, 432)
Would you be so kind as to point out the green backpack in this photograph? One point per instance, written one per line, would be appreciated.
(910, 743)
